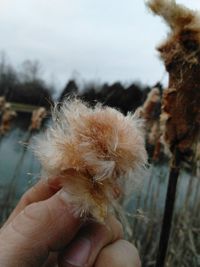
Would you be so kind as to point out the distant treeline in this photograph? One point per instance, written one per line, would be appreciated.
(124, 98)
(24, 86)
(27, 87)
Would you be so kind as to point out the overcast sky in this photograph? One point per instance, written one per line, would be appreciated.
(102, 40)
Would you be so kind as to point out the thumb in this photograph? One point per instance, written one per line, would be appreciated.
(39, 229)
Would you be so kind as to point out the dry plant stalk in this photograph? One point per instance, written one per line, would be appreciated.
(37, 118)
(98, 153)
(6, 119)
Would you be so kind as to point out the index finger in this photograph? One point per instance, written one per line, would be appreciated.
(42, 190)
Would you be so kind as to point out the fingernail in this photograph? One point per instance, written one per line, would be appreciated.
(79, 253)
(64, 196)
(67, 199)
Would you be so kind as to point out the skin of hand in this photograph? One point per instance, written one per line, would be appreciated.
(42, 231)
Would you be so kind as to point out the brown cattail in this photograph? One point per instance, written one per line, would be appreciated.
(37, 118)
(150, 112)
(150, 105)
(6, 119)
(2, 103)
(96, 152)
(180, 116)
(181, 54)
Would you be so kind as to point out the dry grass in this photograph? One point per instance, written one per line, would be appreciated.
(184, 244)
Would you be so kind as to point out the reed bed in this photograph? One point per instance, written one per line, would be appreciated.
(146, 221)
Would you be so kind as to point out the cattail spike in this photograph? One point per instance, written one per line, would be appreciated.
(175, 15)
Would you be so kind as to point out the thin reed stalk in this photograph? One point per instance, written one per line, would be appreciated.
(11, 189)
(169, 209)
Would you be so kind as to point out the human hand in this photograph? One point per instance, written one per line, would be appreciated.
(42, 231)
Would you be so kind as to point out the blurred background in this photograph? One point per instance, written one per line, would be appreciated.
(101, 51)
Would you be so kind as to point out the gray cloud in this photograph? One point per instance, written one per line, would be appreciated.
(106, 40)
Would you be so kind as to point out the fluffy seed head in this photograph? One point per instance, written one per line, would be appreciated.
(180, 118)
(183, 42)
(95, 152)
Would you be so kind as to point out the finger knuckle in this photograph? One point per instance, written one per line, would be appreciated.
(38, 212)
(17, 229)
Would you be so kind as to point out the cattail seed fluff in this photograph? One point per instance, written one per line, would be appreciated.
(96, 153)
